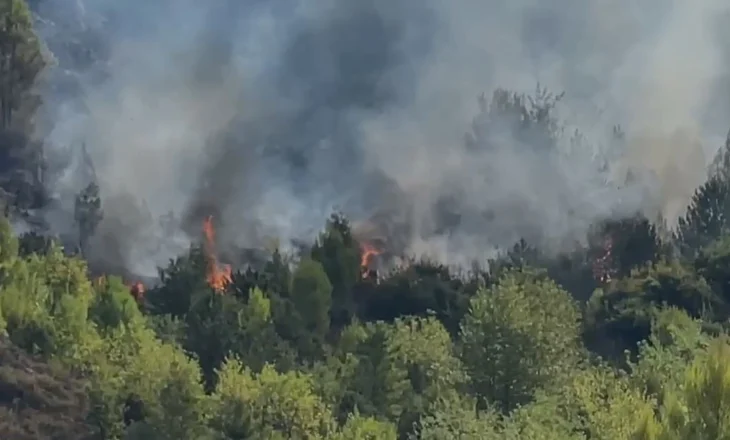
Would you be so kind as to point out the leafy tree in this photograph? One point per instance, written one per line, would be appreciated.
(167, 328)
(675, 341)
(370, 380)
(311, 294)
(519, 336)
(620, 316)
(45, 301)
(707, 394)
(113, 305)
(339, 253)
(422, 350)
(8, 244)
(180, 285)
(699, 408)
(365, 428)
(600, 404)
(27, 321)
(332, 380)
(706, 218)
(214, 324)
(542, 419)
(220, 325)
(268, 405)
(712, 264)
(180, 410)
(274, 278)
(279, 274)
(573, 270)
(422, 288)
(455, 418)
(140, 382)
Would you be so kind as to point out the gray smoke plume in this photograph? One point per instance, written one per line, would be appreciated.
(270, 115)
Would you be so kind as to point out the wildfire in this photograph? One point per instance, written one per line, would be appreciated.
(218, 276)
(368, 253)
(366, 257)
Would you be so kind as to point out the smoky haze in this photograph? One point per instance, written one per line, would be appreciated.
(270, 115)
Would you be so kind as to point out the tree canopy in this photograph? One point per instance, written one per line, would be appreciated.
(623, 337)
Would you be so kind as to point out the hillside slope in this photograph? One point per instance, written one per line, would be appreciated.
(37, 400)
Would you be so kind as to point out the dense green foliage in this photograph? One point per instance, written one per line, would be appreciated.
(628, 343)
(267, 358)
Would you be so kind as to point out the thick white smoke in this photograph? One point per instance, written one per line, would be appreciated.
(270, 115)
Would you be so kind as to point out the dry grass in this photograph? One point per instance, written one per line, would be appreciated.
(39, 401)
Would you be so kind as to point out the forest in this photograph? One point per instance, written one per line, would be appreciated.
(625, 336)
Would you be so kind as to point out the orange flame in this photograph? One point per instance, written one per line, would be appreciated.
(218, 276)
(366, 258)
(368, 252)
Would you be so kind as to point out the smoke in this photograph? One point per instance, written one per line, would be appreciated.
(270, 115)
(668, 99)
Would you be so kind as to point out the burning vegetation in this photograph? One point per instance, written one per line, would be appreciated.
(217, 275)
(368, 253)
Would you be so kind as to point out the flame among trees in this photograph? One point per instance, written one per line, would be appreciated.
(217, 275)
(368, 253)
